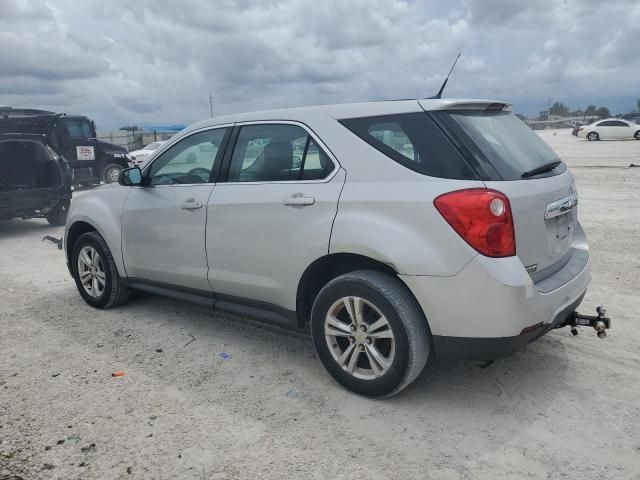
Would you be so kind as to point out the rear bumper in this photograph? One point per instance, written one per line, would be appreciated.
(492, 308)
(466, 348)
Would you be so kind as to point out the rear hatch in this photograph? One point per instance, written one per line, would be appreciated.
(509, 157)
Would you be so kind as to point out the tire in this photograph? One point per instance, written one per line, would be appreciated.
(380, 297)
(114, 291)
(637, 135)
(58, 215)
(593, 136)
(111, 172)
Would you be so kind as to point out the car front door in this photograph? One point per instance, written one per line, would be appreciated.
(163, 221)
(272, 216)
(78, 140)
(621, 129)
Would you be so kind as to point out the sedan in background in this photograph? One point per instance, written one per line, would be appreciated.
(610, 129)
(139, 157)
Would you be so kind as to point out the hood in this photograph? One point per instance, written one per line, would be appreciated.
(110, 147)
(141, 153)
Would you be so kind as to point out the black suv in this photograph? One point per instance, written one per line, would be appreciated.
(35, 181)
(74, 137)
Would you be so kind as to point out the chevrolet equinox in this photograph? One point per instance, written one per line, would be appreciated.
(396, 232)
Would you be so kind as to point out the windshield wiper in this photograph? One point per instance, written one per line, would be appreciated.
(547, 167)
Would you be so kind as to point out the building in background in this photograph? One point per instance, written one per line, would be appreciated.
(134, 138)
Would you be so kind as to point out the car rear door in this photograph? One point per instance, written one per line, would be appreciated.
(606, 130)
(272, 216)
(163, 222)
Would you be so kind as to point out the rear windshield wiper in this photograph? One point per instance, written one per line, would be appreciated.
(547, 167)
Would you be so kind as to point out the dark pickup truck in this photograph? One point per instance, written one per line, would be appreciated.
(35, 180)
(91, 160)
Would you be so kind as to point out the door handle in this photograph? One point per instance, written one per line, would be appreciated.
(298, 200)
(191, 204)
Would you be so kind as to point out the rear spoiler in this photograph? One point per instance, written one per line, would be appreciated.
(484, 105)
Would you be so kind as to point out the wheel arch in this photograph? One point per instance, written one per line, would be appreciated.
(73, 233)
(79, 227)
(325, 269)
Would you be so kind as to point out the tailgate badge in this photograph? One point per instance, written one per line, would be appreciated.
(561, 206)
(531, 268)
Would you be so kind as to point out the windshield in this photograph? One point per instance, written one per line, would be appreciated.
(506, 143)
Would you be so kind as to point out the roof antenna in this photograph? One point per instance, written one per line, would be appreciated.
(444, 84)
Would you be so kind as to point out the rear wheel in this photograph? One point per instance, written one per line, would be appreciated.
(111, 172)
(95, 272)
(593, 137)
(637, 135)
(58, 215)
(370, 333)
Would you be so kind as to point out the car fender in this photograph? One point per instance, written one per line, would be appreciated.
(400, 226)
(102, 209)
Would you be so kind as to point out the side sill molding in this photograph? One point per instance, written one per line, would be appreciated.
(262, 311)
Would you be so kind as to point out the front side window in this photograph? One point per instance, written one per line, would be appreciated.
(189, 161)
(277, 153)
(79, 129)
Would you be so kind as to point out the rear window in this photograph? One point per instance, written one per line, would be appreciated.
(26, 165)
(503, 144)
(414, 141)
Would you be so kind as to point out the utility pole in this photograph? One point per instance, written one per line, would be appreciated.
(211, 104)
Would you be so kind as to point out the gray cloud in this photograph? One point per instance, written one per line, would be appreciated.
(125, 62)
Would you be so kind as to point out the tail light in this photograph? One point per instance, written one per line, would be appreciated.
(482, 217)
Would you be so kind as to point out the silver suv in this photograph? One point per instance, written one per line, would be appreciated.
(397, 232)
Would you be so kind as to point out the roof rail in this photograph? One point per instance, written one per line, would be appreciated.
(9, 112)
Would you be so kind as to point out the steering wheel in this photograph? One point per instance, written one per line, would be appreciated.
(198, 170)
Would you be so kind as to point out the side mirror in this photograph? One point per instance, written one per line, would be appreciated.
(130, 177)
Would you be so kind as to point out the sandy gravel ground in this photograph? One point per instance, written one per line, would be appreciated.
(564, 408)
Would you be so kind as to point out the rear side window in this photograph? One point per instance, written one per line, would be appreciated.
(414, 141)
(505, 146)
(277, 153)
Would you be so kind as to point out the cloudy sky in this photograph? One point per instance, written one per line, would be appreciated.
(155, 61)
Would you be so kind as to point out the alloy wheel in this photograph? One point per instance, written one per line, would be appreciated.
(91, 271)
(359, 337)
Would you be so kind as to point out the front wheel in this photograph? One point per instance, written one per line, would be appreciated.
(111, 172)
(370, 333)
(637, 135)
(95, 272)
(593, 137)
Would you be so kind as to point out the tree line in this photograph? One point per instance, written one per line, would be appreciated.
(559, 108)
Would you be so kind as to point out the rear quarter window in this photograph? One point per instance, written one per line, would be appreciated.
(414, 141)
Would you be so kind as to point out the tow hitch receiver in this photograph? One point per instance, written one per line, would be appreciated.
(599, 322)
(54, 240)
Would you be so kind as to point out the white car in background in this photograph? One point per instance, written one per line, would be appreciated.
(139, 157)
(610, 129)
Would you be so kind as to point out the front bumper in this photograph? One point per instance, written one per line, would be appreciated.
(492, 308)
